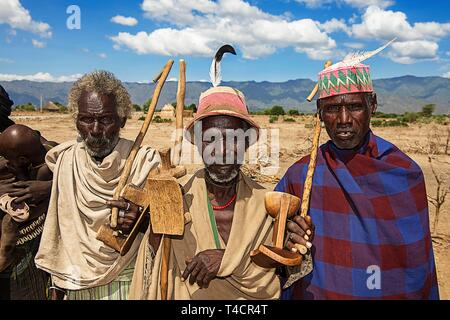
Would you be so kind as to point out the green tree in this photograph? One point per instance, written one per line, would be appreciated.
(427, 110)
(147, 105)
(409, 117)
(293, 112)
(277, 111)
(192, 106)
(137, 107)
(273, 119)
(26, 107)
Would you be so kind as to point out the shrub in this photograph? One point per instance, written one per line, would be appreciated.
(273, 119)
(26, 107)
(382, 115)
(137, 107)
(158, 119)
(395, 123)
(392, 123)
(377, 123)
(277, 111)
(293, 112)
(442, 119)
(409, 117)
(257, 113)
(192, 106)
(146, 105)
(289, 120)
(427, 110)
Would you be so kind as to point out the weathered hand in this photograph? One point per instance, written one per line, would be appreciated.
(203, 267)
(300, 233)
(5, 173)
(31, 192)
(7, 186)
(132, 212)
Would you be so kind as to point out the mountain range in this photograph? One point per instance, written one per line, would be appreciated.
(395, 95)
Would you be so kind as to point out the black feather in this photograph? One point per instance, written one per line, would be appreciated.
(222, 50)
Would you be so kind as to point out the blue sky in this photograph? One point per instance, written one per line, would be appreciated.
(275, 40)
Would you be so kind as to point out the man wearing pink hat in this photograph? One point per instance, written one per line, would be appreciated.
(225, 216)
(368, 203)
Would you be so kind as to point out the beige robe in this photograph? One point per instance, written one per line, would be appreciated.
(238, 277)
(69, 250)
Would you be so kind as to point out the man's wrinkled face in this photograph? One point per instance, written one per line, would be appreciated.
(347, 118)
(98, 123)
(223, 147)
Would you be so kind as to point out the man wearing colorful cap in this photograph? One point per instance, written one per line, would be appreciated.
(225, 217)
(368, 203)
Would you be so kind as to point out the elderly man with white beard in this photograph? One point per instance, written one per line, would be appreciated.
(85, 175)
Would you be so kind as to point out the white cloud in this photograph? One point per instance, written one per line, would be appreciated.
(446, 75)
(448, 53)
(367, 3)
(409, 52)
(6, 60)
(387, 24)
(40, 77)
(354, 45)
(17, 17)
(125, 21)
(10, 35)
(85, 50)
(182, 11)
(335, 25)
(353, 3)
(415, 42)
(103, 55)
(199, 27)
(38, 44)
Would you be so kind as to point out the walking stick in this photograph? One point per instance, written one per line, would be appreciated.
(176, 161)
(137, 143)
(312, 161)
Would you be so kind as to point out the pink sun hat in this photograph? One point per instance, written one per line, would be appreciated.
(345, 79)
(221, 101)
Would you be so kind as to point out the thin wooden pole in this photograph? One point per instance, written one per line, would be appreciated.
(181, 93)
(311, 168)
(138, 141)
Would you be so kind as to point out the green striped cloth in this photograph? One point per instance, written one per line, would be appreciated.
(26, 281)
(116, 290)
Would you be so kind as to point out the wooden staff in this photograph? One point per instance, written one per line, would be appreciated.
(181, 93)
(311, 168)
(165, 267)
(312, 161)
(138, 141)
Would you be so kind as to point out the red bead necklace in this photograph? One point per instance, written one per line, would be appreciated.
(226, 205)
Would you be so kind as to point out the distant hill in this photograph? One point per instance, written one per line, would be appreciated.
(395, 95)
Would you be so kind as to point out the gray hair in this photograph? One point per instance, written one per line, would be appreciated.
(102, 82)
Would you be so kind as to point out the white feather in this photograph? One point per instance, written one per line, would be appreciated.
(356, 58)
(215, 74)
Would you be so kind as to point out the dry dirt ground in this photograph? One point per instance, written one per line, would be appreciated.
(418, 141)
